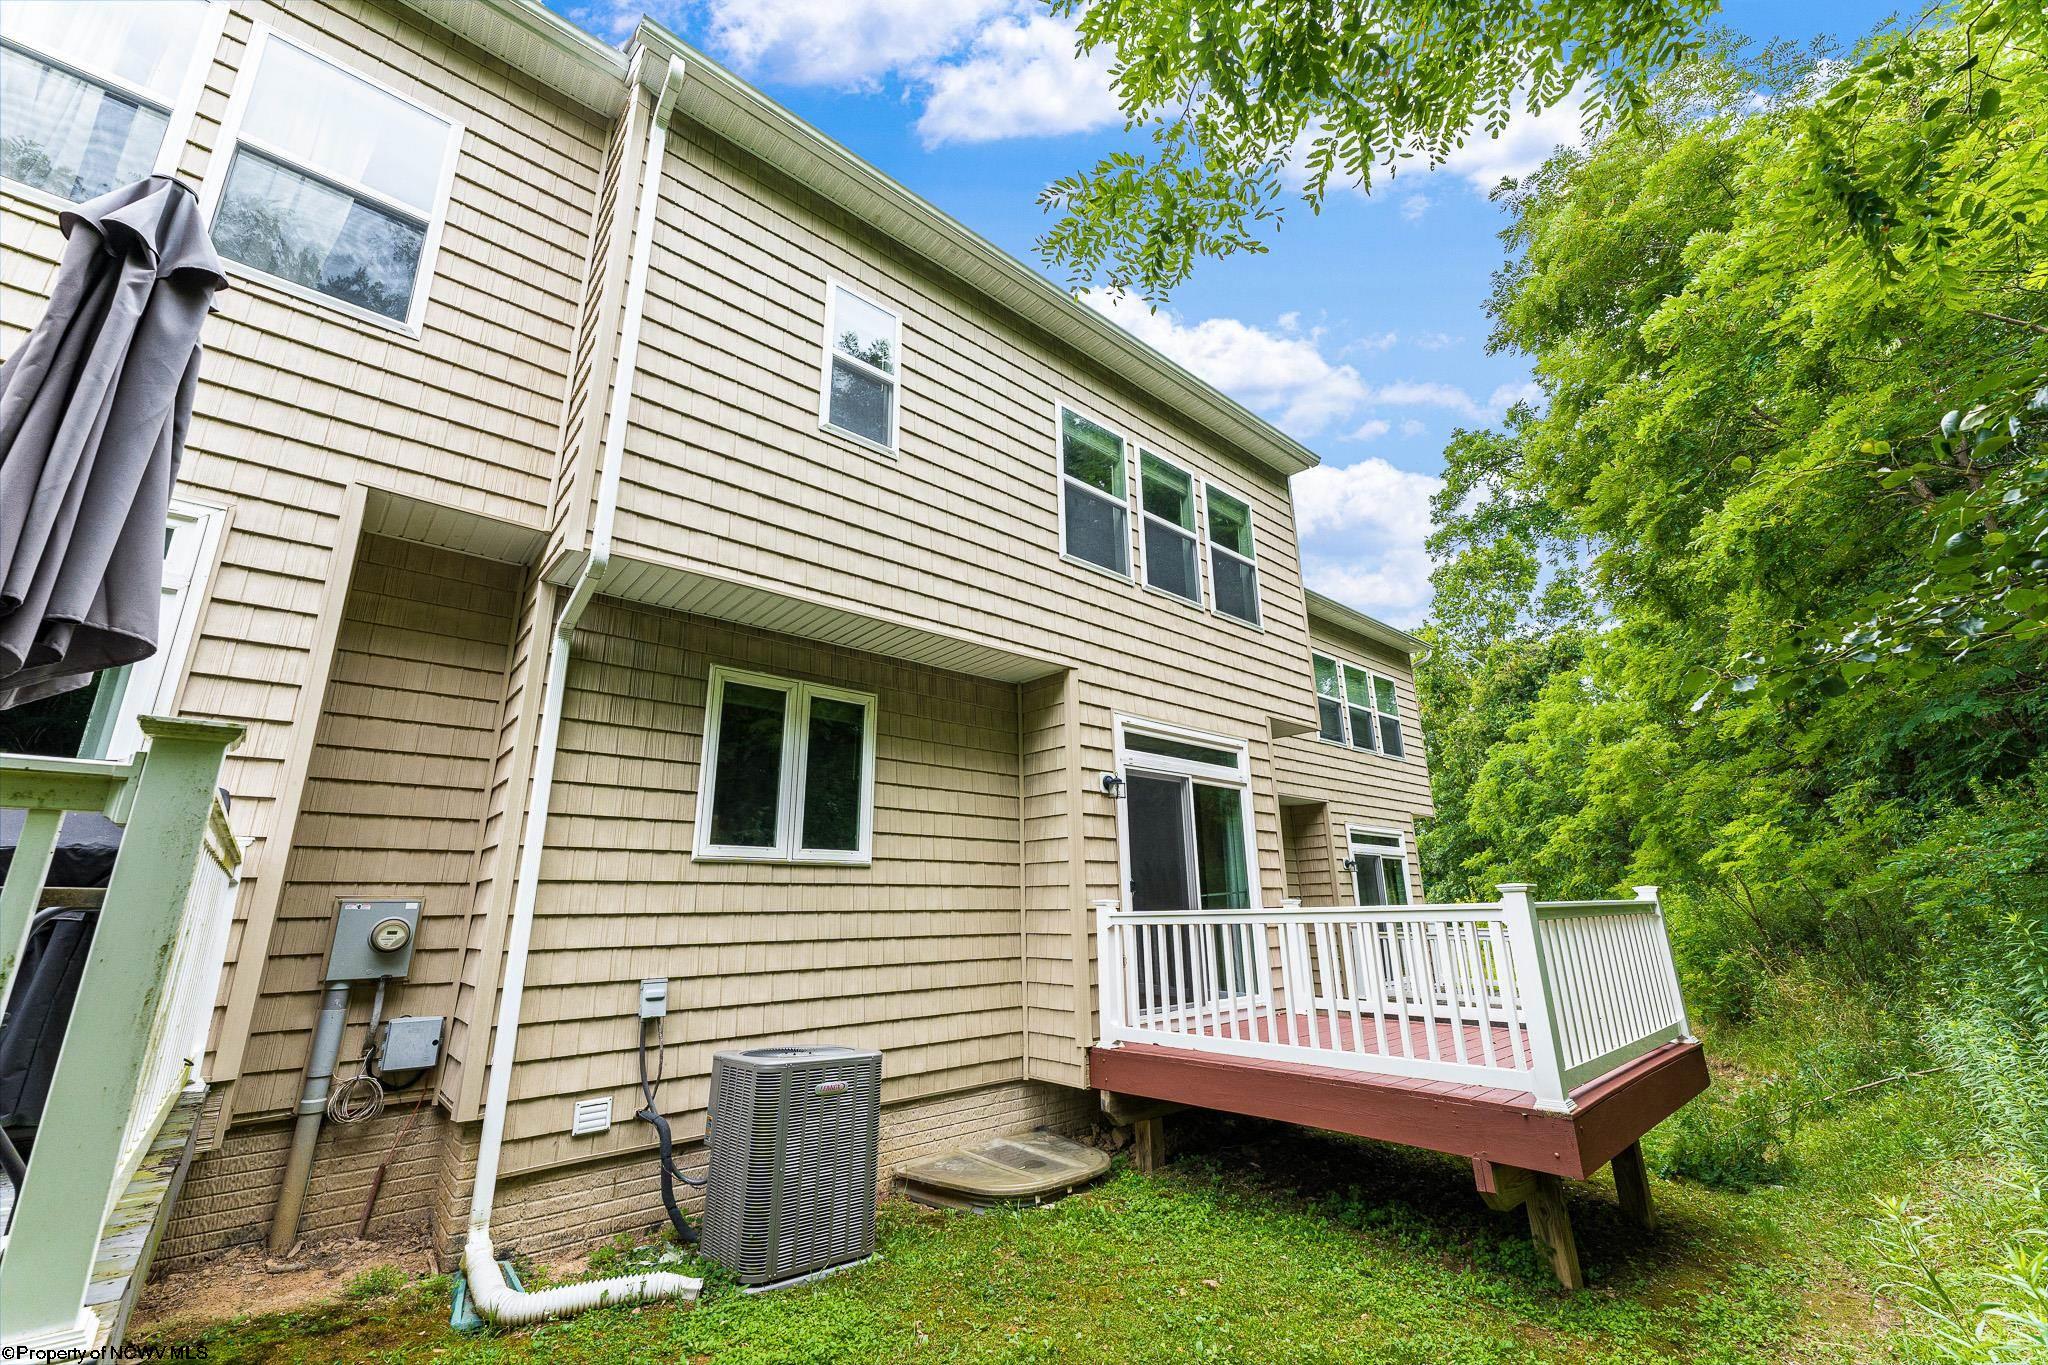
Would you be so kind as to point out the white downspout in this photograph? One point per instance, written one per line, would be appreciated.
(495, 1299)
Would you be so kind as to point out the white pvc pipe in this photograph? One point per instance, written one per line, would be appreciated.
(493, 1298)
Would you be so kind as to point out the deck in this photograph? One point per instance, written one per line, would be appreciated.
(1541, 1040)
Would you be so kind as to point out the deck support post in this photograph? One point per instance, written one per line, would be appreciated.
(1632, 1184)
(1550, 1228)
(1148, 1144)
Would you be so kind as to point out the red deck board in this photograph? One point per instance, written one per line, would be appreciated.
(1503, 1126)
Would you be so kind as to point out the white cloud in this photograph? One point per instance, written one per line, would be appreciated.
(1019, 78)
(1507, 395)
(1371, 496)
(1392, 585)
(1370, 430)
(1526, 143)
(1412, 393)
(1285, 377)
(1377, 341)
(850, 44)
(1411, 427)
(1363, 527)
(1436, 341)
(1414, 206)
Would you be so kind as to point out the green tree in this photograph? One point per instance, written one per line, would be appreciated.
(1238, 99)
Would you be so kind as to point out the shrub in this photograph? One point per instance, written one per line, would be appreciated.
(378, 1282)
(1734, 1139)
(1994, 1316)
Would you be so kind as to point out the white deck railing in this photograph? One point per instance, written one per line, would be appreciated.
(1512, 994)
(137, 1032)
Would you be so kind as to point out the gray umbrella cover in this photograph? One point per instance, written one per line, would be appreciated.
(93, 412)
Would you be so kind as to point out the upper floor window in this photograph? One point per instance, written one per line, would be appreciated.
(1234, 577)
(1356, 706)
(788, 771)
(1167, 497)
(1094, 513)
(95, 96)
(337, 187)
(863, 354)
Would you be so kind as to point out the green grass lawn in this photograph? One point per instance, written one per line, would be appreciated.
(1264, 1243)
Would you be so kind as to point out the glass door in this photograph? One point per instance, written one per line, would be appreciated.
(1187, 851)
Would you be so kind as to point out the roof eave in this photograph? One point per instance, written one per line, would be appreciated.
(1330, 611)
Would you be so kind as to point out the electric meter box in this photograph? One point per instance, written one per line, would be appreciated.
(373, 940)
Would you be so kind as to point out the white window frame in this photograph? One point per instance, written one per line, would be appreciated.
(232, 139)
(790, 781)
(1345, 670)
(178, 115)
(1060, 408)
(1343, 735)
(150, 687)
(833, 286)
(1251, 517)
(1399, 853)
(1215, 775)
(1194, 510)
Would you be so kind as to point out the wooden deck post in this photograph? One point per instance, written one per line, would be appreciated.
(1550, 1228)
(1632, 1184)
(1148, 1144)
(1541, 1193)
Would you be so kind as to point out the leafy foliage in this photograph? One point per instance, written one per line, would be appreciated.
(1241, 101)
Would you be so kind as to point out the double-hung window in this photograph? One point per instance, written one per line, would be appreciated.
(1379, 867)
(1167, 497)
(863, 360)
(93, 96)
(1356, 706)
(788, 772)
(337, 186)
(1095, 514)
(1233, 576)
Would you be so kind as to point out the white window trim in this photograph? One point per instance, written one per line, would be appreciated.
(1345, 668)
(1061, 478)
(1251, 516)
(1195, 535)
(178, 114)
(232, 138)
(1239, 776)
(833, 285)
(1399, 852)
(789, 788)
(151, 687)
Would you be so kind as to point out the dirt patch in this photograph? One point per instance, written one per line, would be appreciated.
(238, 1283)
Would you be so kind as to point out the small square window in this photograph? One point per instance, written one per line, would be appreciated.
(788, 772)
(863, 363)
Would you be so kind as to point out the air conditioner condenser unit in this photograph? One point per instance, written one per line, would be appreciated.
(794, 1142)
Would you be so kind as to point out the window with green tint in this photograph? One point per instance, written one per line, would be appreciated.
(1234, 578)
(1358, 691)
(1181, 749)
(833, 761)
(1094, 513)
(1221, 868)
(1329, 698)
(1364, 839)
(789, 771)
(1389, 714)
(1167, 496)
(747, 776)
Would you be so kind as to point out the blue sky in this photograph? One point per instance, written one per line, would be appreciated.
(1362, 332)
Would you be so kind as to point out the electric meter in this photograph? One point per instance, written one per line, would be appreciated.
(389, 935)
(373, 939)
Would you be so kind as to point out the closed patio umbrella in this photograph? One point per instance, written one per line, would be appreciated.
(93, 411)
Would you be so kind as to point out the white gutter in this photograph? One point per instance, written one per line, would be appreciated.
(495, 1299)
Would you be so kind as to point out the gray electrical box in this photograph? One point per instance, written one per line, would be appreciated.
(412, 1042)
(653, 997)
(372, 940)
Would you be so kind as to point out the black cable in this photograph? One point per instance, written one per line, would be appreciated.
(651, 1114)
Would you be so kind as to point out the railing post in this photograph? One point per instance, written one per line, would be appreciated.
(1109, 974)
(1546, 1045)
(1649, 893)
(94, 1092)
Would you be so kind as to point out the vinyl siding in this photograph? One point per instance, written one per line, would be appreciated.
(1358, 787)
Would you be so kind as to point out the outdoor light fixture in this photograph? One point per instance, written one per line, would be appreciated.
(1351, 864)
(1114, 785)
